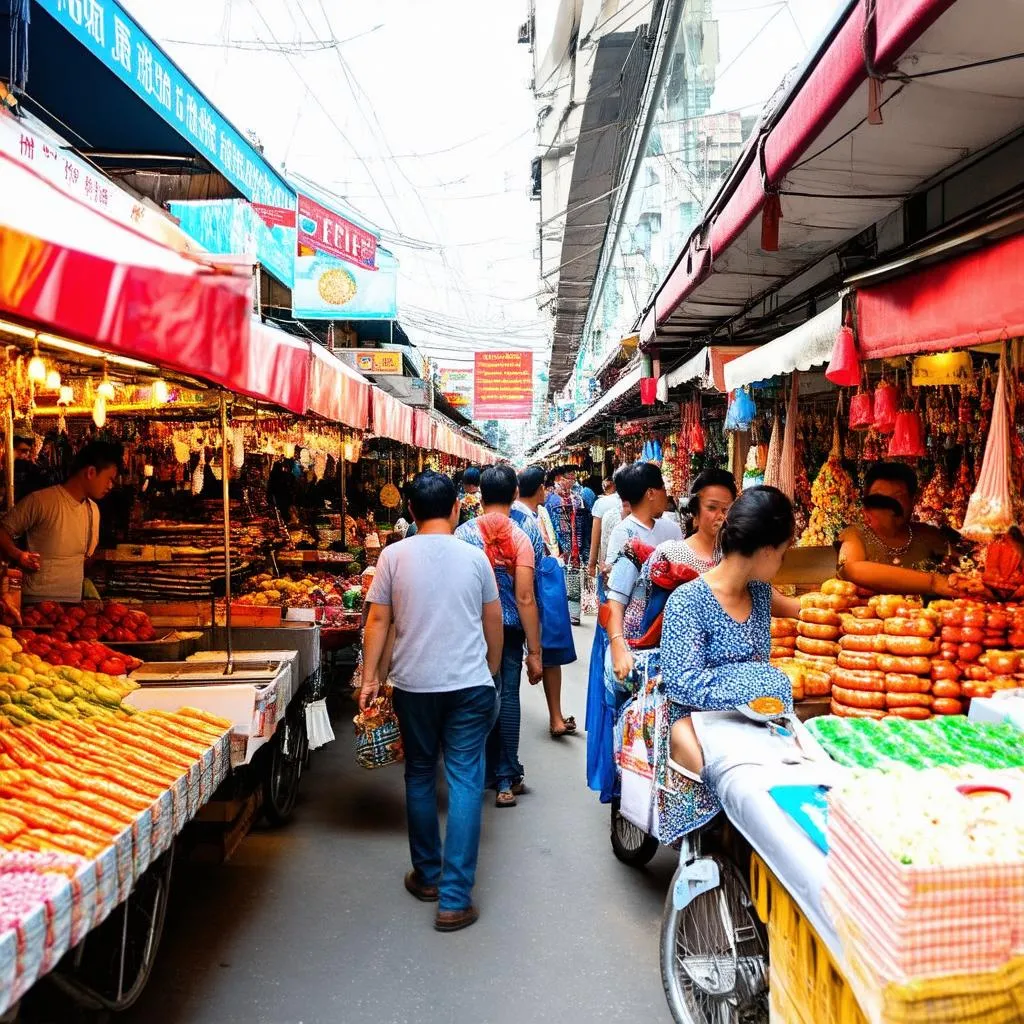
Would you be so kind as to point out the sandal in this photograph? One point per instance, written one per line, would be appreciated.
(570, 728)
(505, 798)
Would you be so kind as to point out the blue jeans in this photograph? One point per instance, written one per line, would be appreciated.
(503, 767)
(454, 725)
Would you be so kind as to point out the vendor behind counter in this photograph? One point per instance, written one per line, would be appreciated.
(888, 552)
(59, 526)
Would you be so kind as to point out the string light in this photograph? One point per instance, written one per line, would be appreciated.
(37, 368)
(106, 386)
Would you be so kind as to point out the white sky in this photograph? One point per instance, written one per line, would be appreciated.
(423, 118)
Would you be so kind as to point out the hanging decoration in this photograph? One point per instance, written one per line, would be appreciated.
(844, 366)
(885, 406)
(834, 498)
(787, 464)
(773, 464)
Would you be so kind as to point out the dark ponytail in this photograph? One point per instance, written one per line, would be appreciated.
(761, 517)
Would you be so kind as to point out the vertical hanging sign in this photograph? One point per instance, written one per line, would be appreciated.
(503, 385)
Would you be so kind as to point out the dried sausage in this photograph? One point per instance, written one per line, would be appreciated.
(904, 682)
(862, 627)
(847, 712)
(863, 660)
(917, 665)
(916, 713)
(858, 698)
(862, 643)
(819, 648)
(858, 679)
(947, 706)
(821, 616)
(908, 700)
(816, 631)
(919, 626)
(912, 645)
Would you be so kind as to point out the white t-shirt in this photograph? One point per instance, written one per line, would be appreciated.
(436, 586)
(609, 521)
(624, 574)
(604, 504)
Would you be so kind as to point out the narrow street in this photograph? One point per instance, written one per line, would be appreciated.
(311, 923)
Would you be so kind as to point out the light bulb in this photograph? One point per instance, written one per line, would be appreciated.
(160, 392)
(53, 380)
(106, 388)
(67, 394)
(99, 411)
(37, 369)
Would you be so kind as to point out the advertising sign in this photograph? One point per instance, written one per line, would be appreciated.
(117, 41)
(502, 385)
(324, 231)
(457, 387)
(375, 361)
(327, 288)
(236, 226)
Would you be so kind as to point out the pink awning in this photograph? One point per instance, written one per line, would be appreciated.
(277, 368)
(970, 300)
(66, 268)
(391, 418)
(336, 391)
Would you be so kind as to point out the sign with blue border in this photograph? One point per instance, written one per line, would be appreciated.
(105, 29)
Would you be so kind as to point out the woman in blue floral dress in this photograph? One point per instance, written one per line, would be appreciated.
(716, 638)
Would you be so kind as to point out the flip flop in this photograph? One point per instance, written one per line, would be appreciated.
(569, 730)
(505, 798)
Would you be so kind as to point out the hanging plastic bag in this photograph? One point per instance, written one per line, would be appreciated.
(553, 603)
(990, 509)
(741, 411)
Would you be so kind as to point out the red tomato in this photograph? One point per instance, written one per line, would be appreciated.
(113, 667)
(73, 658)
(115, 611)
(87, 633)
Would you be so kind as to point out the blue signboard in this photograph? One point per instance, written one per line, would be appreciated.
(327, 288)
(234, 226)
(105, 29)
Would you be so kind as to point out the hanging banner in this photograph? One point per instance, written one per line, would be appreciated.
(325, 231)
(111, 35)
(236, 227)
(502, 385)
(327, 288)
(457, 387)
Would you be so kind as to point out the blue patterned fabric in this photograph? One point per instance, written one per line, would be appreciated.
(711, 662)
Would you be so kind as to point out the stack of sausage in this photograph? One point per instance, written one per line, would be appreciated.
(974, 646)
(885, 667)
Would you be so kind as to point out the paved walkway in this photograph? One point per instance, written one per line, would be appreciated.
(311, 924)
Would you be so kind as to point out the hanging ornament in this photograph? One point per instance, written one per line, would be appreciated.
(37, 368)
(885, 407)
(844, 367)
(238, 447)
(53, 381)
(66, 395)
(99, 411)
(199, 474)
(907, 441)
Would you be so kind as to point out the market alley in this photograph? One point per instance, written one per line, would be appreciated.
(311, 923)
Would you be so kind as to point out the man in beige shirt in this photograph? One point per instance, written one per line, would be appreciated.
(61, 526)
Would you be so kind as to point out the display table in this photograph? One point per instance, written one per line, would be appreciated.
(746, 761)
(301, 637)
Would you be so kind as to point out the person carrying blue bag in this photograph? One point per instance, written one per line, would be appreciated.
(557, 646)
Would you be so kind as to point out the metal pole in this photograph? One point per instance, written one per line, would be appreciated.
(9, 445)
(225, 466)
(341, 480)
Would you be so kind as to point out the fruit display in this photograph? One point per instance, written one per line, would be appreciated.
(308, 591)
(835, 500)
(113, 621)
(951, 741)
(91, 656)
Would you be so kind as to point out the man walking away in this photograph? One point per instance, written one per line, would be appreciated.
(445, 656)
(511, 550)
(530, 507)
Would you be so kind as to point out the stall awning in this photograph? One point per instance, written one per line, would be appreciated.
(276, 367)
(805, 346)
(71, 270)
(707, 367)
(391, 418)
(336, 391)
(970, 300)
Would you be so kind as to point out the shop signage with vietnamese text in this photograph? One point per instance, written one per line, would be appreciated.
(502, 385)
(379, 362)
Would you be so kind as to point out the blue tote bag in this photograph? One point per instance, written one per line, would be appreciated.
(555, 624)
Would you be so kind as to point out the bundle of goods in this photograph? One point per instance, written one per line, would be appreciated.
(113, 622)
(925, 883)
(942, 741)
(312, 591)
(835, 500)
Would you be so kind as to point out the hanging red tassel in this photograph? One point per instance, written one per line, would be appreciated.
(770, 217)
(648, 390)
(844, 367)
(874, 100)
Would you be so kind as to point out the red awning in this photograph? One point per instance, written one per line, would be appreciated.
(971, 300)
(391, 418)
(277, 368)
(338, 392)
(67, 268)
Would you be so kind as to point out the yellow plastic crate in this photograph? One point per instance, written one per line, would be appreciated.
(807, 987)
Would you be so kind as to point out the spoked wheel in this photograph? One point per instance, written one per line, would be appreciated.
(631, 844)
(288, 752)
(110, 967)
(714, 956)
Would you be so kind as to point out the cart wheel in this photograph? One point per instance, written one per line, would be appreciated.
(631, 844)
(714, 956)
(110, 967)
(285, 769)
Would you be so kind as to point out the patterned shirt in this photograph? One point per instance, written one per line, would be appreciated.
(507, 547)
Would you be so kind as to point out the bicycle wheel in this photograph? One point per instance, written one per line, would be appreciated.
(284, 771)
(714, 955)
(631, 844)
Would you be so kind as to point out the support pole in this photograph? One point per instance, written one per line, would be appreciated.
(225, 491)
(341, 479)
(9, 446)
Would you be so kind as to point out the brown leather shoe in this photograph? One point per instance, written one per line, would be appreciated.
(424, 893)
(455, 920)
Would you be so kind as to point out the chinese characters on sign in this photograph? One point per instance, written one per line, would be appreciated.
(110, 34)
(503, 385)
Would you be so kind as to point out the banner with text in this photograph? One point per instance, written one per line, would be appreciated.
(457, 387)
(502, 385)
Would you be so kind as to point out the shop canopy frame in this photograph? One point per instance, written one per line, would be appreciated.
(946, 87)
